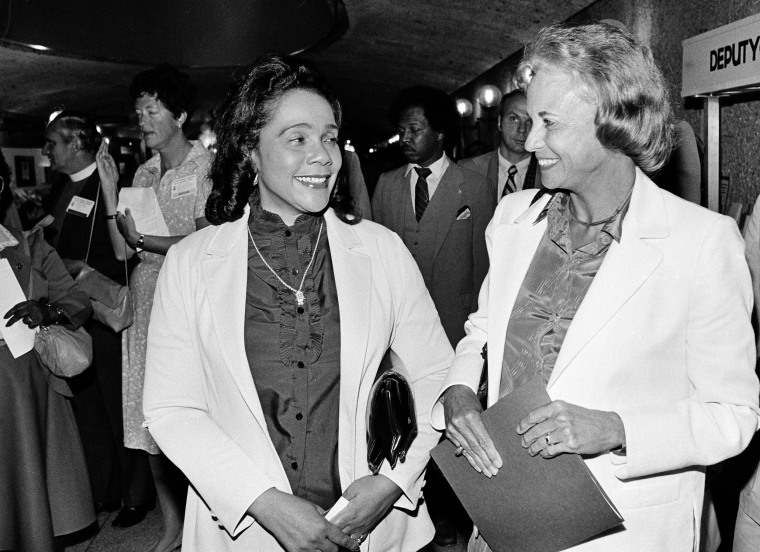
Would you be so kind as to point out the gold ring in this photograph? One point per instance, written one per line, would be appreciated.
(458, 451)
(548, 438)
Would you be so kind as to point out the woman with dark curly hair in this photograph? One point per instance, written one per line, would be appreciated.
(267, 334)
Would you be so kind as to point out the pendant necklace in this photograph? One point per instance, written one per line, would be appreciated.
(297, 292)
(602, 221)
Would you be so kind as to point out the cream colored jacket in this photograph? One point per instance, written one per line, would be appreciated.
(201, 405)
(663, 338)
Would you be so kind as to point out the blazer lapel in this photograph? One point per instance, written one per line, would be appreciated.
(446, 202)
(493, 174)
(626, 267)
(225, 272)
(405, 208)
(353, 279)
(512, 251)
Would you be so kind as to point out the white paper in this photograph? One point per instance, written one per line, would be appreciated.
(143, 205)
(337, 507)
(19, 338)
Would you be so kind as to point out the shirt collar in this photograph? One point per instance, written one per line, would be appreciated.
(437, 169)
(522, 166)
(6, 238)
(558, 216)
(84, 173)
(154, 163)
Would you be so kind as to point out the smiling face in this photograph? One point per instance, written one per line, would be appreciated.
(298, 157)
(563, 135)
(514, 125)
(420, 143)
(158, 126)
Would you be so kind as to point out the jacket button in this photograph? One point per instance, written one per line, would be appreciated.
(294, 465)
(300, 364)
(19, 266)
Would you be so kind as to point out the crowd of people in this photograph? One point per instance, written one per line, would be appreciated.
(239, 395)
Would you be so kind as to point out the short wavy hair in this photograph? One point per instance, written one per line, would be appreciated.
(80, 126)
(633, 111)
(169, 85)
(249, 107)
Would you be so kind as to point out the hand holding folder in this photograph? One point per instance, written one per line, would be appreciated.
(533, 504)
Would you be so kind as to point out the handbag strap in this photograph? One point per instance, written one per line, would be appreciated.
(92, 229)
(92, 226)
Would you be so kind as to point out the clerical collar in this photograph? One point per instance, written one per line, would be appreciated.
(84, 173)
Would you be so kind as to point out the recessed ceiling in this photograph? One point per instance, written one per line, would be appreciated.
(97, 47)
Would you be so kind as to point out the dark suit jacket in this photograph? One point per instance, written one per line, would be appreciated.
(71, 240)
(488, 165)
(448, 244)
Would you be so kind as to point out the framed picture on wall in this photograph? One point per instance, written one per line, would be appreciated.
(24, 173)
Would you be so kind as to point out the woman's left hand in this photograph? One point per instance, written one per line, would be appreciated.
(369, 499)
(560, 427)
(127, 227)
(32, 313)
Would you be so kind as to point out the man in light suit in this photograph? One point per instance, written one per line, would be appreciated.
(630, 304)
(511, 167)
(441, 217)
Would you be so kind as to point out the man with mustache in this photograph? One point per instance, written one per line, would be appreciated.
(440, 210)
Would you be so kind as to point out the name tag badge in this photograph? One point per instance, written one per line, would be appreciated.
(80, 206)
(184, 186)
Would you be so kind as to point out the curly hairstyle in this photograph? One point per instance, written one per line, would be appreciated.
(78, 125)
(170, 85)
(249, 107)
(621, 79)
(440, 110)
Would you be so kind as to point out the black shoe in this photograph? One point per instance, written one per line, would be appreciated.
(132, 515)
(445, 535)
(109, 506)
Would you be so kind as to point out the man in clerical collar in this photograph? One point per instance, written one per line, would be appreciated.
(80, 231)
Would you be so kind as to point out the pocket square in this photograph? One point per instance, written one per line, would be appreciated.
(464, 213)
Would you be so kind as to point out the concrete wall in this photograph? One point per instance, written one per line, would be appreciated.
(665, 24)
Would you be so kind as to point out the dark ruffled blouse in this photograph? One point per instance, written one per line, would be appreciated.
(294, 351)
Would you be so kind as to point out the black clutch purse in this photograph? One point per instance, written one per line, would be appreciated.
(391, 420)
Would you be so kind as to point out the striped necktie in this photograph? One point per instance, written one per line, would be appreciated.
(421, 197)
(509, 185)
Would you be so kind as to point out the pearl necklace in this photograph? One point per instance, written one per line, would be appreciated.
(298, 292)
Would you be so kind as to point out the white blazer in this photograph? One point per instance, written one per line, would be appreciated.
(200, 400)
(663, 338)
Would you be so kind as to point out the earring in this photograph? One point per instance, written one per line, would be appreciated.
(256, 180)
(2, 184)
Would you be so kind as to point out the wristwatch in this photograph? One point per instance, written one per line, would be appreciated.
(140, 243)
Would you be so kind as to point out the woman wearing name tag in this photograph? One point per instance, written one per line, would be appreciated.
(44, 486)
(164, 101)
(267, 333)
